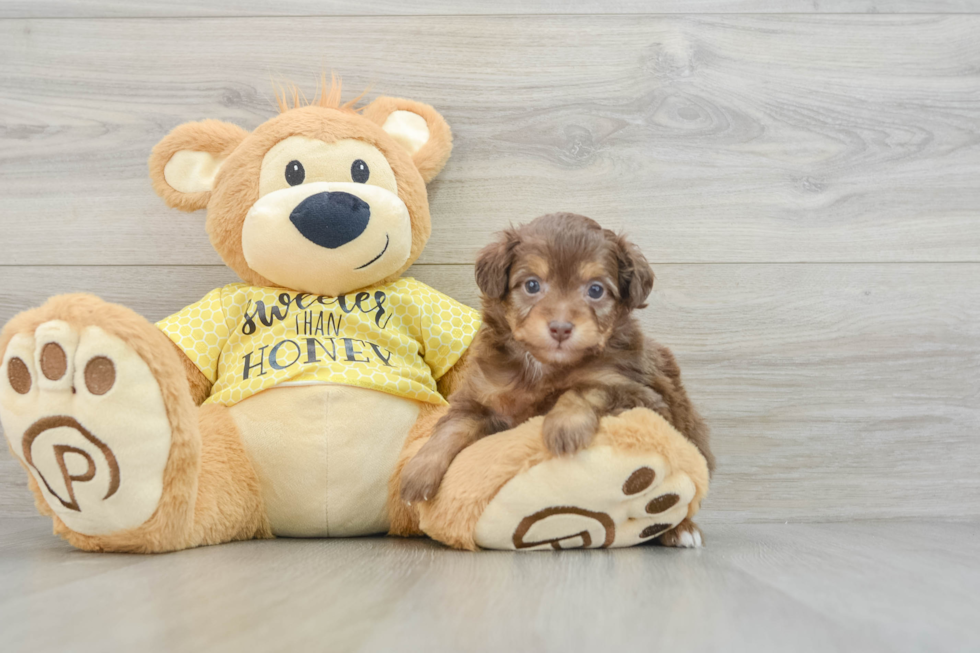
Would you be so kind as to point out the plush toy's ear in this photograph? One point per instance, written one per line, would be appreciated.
(183, 165)
(418, 128)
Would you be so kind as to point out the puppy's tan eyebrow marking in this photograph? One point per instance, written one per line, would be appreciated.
(592, 270)
(533, 265)
(538, 266)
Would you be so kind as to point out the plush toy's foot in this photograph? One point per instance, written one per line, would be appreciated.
(95, 406)
(597, 498)
(83, 412)
(639, 479)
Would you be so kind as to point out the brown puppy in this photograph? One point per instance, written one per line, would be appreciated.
(558, 339)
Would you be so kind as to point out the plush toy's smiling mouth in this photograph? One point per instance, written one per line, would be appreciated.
(326, 237)
(387, 241)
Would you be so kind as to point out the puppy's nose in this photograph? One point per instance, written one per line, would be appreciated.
(560, 330)
(331, 219)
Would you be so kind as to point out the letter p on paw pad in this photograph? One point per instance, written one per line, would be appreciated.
(84, 413)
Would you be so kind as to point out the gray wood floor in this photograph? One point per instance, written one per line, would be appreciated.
(805, 177)
(857, 586)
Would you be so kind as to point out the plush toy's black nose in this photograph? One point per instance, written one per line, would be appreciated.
(331, 219)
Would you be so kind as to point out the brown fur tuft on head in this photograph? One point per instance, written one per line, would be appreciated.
(289, 96)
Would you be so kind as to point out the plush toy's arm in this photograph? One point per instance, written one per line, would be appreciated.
(200, 386)
(449, 381)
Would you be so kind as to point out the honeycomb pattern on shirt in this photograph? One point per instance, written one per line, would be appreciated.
(398, 338)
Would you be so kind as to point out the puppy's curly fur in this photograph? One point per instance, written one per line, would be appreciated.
(558, 339)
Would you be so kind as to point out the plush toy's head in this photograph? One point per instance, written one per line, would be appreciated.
(322, 199)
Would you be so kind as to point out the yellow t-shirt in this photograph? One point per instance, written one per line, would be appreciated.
(398, 338)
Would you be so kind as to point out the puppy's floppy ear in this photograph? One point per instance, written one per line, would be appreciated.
(418, 128)
(635, 273)
(493, 265)
(183, 165)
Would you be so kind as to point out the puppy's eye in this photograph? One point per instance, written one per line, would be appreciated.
(532, 286)
(596, 291)
(359, 171)
(295, 173)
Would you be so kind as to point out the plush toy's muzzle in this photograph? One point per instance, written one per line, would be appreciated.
(327, 238)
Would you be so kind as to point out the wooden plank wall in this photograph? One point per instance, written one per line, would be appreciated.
(804, 175)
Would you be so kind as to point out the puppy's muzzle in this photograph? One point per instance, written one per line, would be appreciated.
(331, 219)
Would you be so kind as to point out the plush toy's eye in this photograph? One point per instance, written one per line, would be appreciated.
(359, 171)
(596, 291)
(532, 286)
(295, 173)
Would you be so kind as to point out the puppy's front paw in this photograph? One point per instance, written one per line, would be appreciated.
(686, 535)
(567, 431)
(422, 477)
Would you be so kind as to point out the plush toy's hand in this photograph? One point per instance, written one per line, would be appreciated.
(422, 477)
(199, 384)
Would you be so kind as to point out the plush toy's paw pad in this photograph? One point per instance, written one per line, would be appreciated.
(600, 497)
(84, 413)
(686, 535)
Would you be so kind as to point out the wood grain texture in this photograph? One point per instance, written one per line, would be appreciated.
(834, 391)
(806, 184)
(713, 139)
(886, 586)
(145, 8)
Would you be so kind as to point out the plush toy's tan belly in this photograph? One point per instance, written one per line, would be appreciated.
(324, 454)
